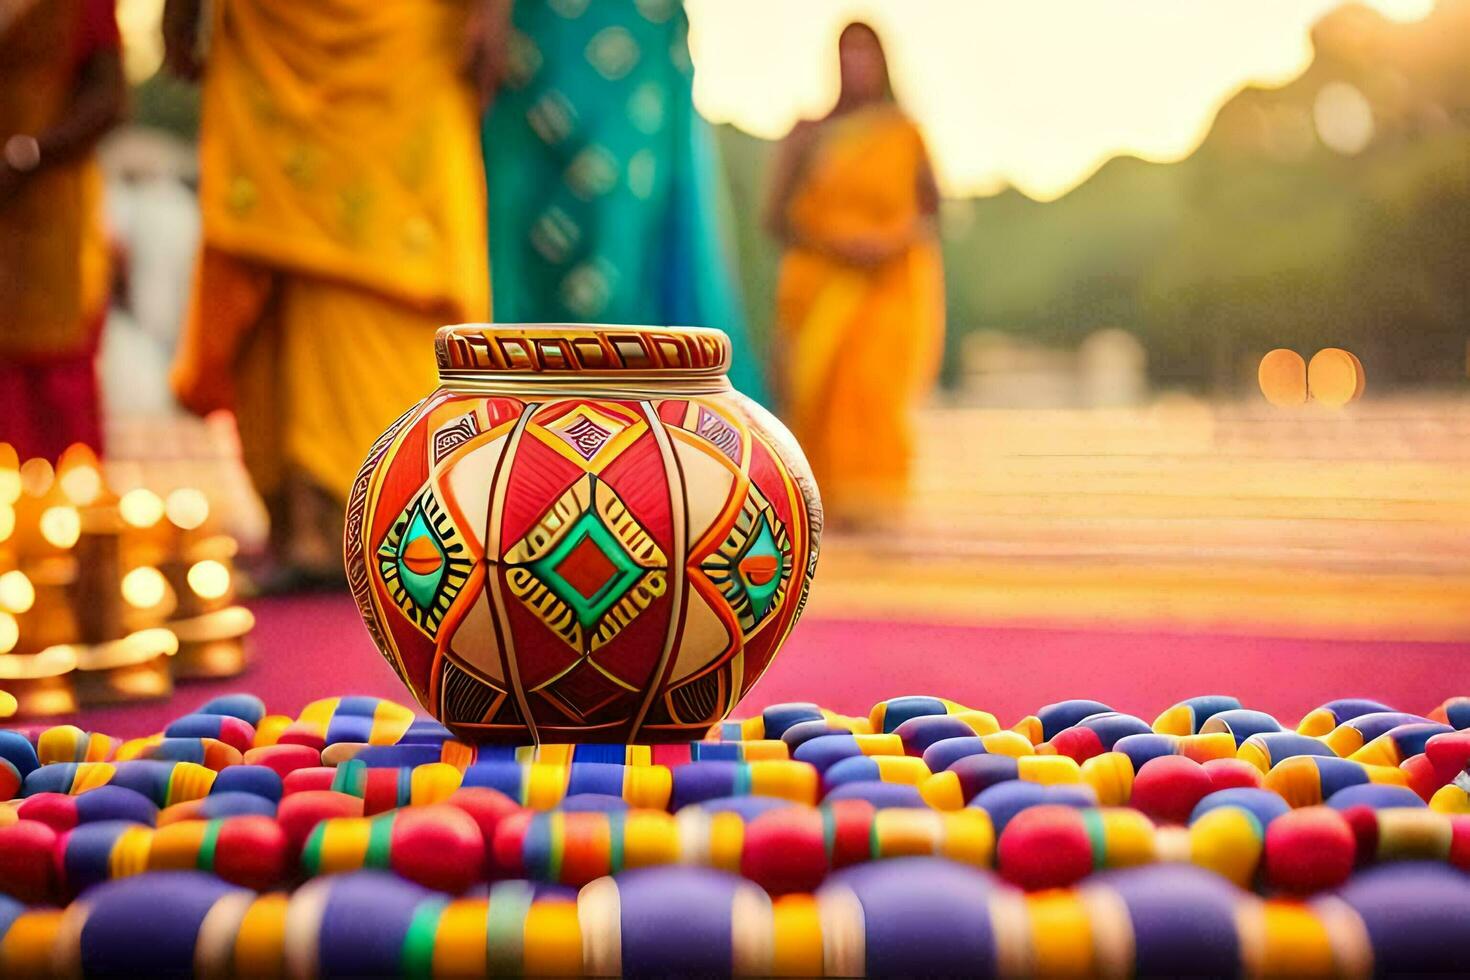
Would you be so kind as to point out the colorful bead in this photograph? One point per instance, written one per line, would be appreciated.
(1352, 735)
(1264, 749)
(1309, 849)
(1168, 788)
(1309, 780)
(1186, 717)
(1241, 723)
(1320, 721)
(63, 812)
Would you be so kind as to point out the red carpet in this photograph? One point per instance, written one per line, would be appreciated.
(307, 648)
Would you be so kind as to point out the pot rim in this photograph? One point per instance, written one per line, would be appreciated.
(571, 354)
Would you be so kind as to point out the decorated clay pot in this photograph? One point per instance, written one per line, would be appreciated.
(584, 534)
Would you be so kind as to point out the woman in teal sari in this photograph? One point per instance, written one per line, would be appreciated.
(604, 183)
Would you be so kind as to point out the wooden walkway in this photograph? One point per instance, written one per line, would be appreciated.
(1230, 518)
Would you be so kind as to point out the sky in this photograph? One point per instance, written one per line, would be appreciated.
(1034, 94)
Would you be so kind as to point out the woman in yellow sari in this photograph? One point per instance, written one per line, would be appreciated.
(342, 194)
(860, 304)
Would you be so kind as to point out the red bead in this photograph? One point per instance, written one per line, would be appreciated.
(299, 813)
(487, 808)
(1422, 775)
(56, 810)
(283, 758)
(1460, 841)
(380, 789)
(10, 780)
(27, 866)
(1309, 849)
(308, 778)
(1232, 774)
(437, 846)
(251, 851)
(852, 826)
(1045, 847)
(785, 850)
(507, 845)
(1363, 821)
(298, 734)
(1168, 787)
(1449, 749)
(1078, 742)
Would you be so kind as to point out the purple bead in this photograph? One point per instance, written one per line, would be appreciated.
(1379, 796)
(1262, 804)
(923, 916)
(947, 751)
(1417, 915)
(148, 925)
(881, 795)
(115, 803)
(1064, 714)
(364, 922)
(917, 734)
(1004, 800)
(1183, 919)
(677, 921)
(593, 803)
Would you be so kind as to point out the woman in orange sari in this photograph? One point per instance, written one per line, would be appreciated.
(860, 304)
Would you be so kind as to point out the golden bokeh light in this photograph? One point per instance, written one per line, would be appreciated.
(1343, 117)
(144, 587)
(36, 476)
(16, 592)
(209, 579)
(61, 526)
(138, 21)
(1283, 377)
(7, 521)
(1335, 377)
(141, 507)
(9, 474)
(9, 632)
(187, 508)
(82, 484)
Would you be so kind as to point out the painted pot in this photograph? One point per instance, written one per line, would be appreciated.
(583, 535)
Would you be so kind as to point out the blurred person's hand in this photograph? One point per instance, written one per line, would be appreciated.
(486, 47)
(181, 38)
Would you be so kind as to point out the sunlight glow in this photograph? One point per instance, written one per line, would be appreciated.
(1035, 94)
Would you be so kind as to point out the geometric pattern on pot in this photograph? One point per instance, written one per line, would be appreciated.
(423, 561)
(590, 436)
(587, 568)
(752, 566)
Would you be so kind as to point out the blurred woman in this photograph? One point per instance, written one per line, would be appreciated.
(604, 183)
(860, 303)
(342, 198)
(61, 89)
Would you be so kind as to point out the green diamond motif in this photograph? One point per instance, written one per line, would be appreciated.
(588, 570)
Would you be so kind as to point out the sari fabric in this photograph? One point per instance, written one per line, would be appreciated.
(54, 263)
(860, 344)
(604, 183)
(342, 197)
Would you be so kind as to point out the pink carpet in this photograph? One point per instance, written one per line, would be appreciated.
(307, 648)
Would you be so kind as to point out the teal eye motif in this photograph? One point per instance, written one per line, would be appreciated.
(423, 562)
(752, 567)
